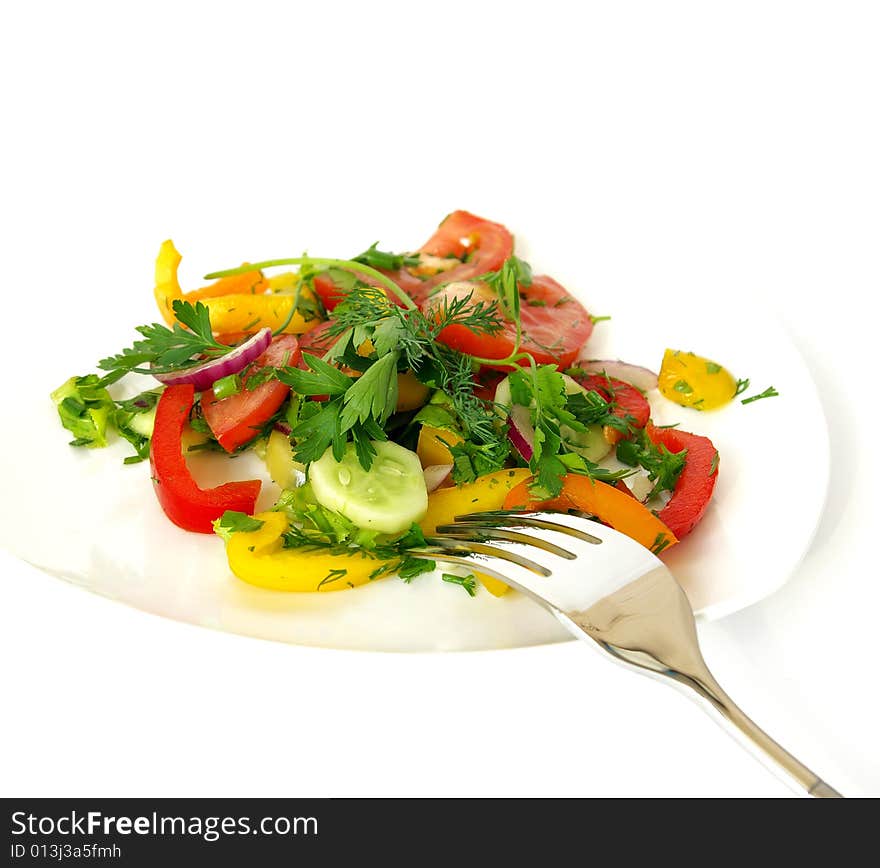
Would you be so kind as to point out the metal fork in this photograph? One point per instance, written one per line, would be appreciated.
(604, 586)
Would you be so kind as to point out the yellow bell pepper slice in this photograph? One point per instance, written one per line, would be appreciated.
(483, 495)
(257, 557)
(239, 303)
(411, 394)
(432, 448)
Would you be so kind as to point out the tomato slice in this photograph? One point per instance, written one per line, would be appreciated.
(316, 342)
(481, 244)
(695, 484)
(555, 327)
(239, 418)
(631, 404)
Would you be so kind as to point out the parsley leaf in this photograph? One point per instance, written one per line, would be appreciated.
(164, 350)
(320, 379)
(234, 522)
(372, 395)
(318, 429)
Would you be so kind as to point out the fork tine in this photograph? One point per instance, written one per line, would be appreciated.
(475, 533)
(438, 547)
(519, 519)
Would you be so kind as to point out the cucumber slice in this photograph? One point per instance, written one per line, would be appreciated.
(142, 423)
(388, 497)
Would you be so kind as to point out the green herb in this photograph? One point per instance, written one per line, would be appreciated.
(714, 465)
(226, 387)
(316, 528)
(684, 387)
(400, 339)
(235, 522)
(664, 467)
(471, 460)
(597, 319)
(373, 396)
(767, 393)
(542, 390)
(332, 576)
(164, 350)
(661, 541)
(468, 582)
(713, 368)
(741, 386)
(320, 379)
(388, 261)
(506, 282)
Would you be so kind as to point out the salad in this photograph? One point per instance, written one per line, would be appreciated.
(387, 394)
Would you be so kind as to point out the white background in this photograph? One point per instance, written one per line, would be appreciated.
(730, 148)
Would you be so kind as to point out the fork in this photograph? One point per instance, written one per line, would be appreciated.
(604, 586)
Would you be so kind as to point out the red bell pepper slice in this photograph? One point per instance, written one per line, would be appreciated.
(187, 505)
(695, 485)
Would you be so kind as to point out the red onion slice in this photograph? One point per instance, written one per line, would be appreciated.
(204, 375)
(436, 475)
(635, 375)
(520, 431)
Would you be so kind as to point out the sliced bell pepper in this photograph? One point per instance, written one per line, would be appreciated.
(610, 505)
(483, 495)
(258, 558)
(187, 505)
(695, 484)
(239, 303)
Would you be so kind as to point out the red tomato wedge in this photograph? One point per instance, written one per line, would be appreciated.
(696, 482)
(316, 342)
(483, 245)
(631, 404)
(187, 505)
(555, 327)
(239, 418)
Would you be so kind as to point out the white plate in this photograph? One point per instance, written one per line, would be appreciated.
(82, 516)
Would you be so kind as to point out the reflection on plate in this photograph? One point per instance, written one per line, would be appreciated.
(81, 516)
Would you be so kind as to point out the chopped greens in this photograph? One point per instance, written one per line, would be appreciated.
(85, 407)
(664, 467)
(316, 528)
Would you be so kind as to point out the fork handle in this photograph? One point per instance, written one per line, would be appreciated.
(748, 733)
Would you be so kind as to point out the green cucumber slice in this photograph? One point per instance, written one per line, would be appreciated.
(388, 497)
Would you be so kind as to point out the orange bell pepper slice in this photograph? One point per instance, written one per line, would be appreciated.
(610, 505)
